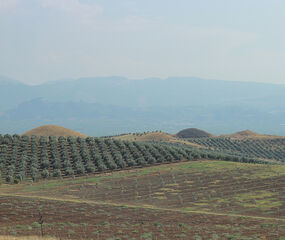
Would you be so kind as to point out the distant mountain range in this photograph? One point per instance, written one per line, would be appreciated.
(114, 105)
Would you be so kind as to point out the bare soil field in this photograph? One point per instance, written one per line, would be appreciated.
(74, 220)
(190, 200)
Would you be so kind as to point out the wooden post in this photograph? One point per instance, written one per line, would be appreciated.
(41, 221)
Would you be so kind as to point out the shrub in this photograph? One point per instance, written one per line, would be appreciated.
(45, 173)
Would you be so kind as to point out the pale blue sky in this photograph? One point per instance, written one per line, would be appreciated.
(239, 40)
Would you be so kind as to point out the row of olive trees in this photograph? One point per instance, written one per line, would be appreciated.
(75, 156)
(106, 155)
(259, 148)
(23, 161)
(43, 157)
(66, 163)
(116, 154)
(95, 154)
(85, 155)
(125, 153)
(12, 160)
(34, 162)
(3, 158)
(55, 158)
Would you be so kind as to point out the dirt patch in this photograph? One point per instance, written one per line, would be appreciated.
(86, 221)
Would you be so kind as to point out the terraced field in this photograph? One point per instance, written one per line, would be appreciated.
(188, 200)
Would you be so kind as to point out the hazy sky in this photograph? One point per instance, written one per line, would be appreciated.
(43, 40)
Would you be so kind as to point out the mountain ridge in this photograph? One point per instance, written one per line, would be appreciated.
(118, 104)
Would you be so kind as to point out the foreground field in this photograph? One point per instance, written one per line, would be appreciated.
(190, 200)
(25, 238)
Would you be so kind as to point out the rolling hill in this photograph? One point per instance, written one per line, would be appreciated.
(54, 130)
(242, 144)
(250, 134)
(157, 136)
(193, 133)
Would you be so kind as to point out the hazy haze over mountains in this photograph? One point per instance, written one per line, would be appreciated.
(112, 105)
(44, 40)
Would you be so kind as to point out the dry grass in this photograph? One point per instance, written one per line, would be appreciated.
(147, 137)
(54, 130)
(250, 134)
(155, 137)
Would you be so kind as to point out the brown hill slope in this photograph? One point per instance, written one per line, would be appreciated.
(245, 133)
(154, 137)
(193, 133)
(54, 130)
(249, 134)
(146, 137)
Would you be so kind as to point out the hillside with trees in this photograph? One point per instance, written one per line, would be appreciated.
(24, 157)
(263, 148)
